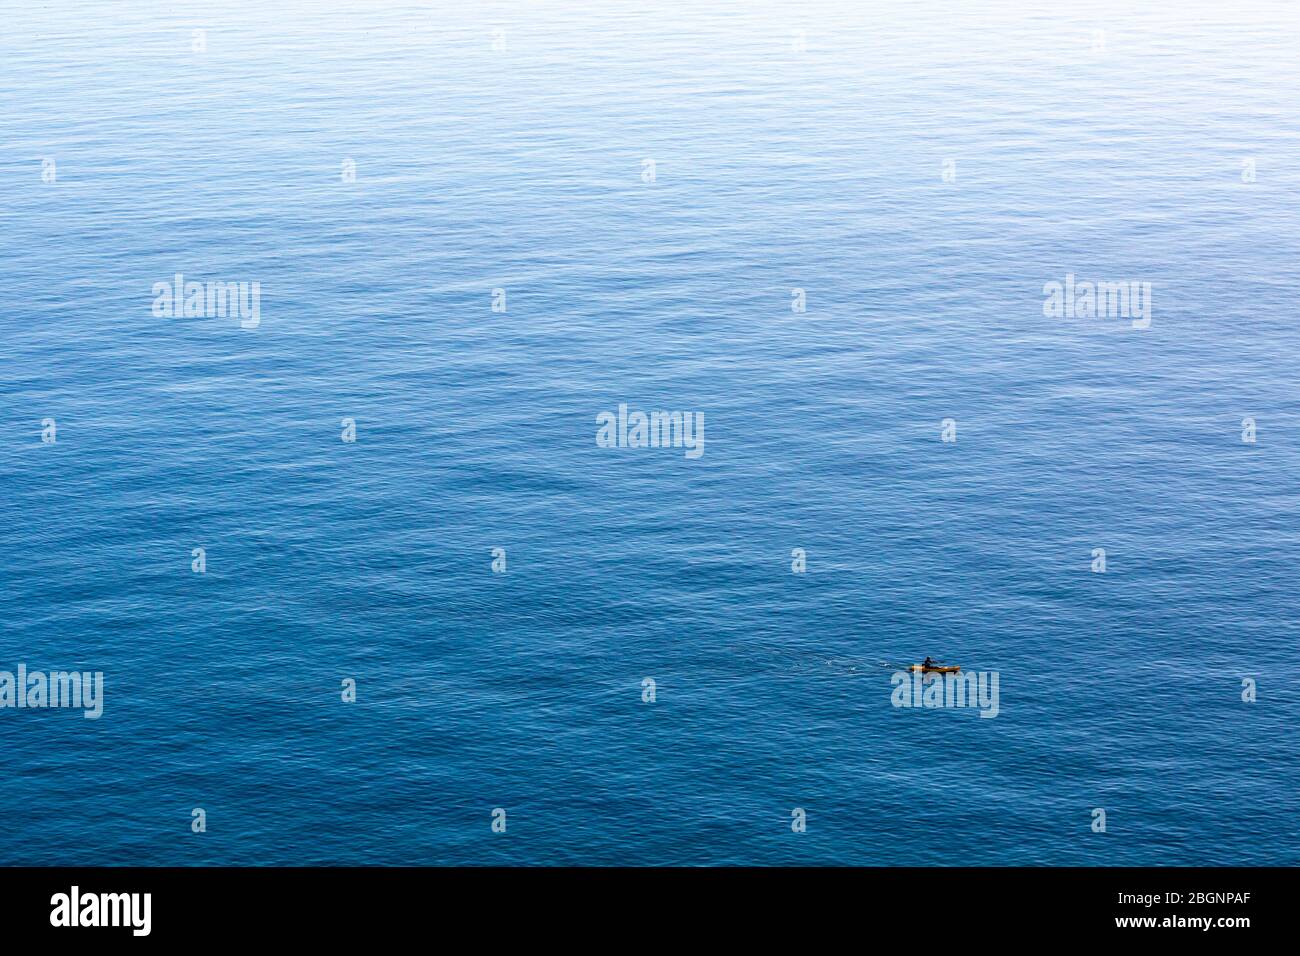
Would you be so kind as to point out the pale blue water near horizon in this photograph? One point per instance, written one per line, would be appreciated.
(795, 146)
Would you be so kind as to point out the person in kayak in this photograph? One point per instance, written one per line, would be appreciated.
(929, 663)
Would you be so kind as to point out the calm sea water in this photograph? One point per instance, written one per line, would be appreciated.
(798, 146)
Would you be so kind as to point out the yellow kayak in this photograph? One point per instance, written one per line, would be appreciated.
(936, 670)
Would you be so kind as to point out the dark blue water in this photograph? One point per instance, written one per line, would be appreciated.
(783, 159)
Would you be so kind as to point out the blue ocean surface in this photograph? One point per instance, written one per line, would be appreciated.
(648, 187)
